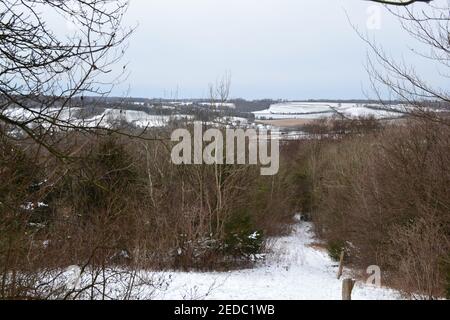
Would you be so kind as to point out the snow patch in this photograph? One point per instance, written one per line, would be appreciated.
(292, 270)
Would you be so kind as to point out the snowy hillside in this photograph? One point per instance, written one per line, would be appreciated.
(105, 119)
(316, 110)
(137, 118)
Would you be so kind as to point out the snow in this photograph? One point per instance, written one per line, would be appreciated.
(137, 118)
(317, 110)
(73, 277)
(360, 111)
(20, 114)
(30, 206)
(232, 121)
(298, 107)
(254, 235)
(105, 119)
(292, 271)
(219, 105)
(181, 103)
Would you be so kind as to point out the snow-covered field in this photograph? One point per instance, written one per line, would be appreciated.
(218, 105)
(137, 118)
(292, 271)
(317, 110)
(105, 119)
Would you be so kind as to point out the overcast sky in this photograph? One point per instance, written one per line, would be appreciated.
(291, 49)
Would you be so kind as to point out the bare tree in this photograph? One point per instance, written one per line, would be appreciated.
(429, 29)
(44, 74)
(219, 92)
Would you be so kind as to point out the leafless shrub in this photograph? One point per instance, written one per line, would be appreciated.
(384, 198)
(45, 74)
(428, 28)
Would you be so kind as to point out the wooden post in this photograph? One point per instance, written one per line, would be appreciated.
(341, 265)
(347, 287)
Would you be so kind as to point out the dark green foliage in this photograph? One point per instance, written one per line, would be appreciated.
(302, 179)
(108, 171)
(21, 193)
(115, 163)
(241, 236)
(335, 248)
(18, 173)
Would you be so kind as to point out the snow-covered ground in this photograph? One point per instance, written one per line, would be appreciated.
(292, 271)
(218, 105)
(317, 110)
(105, 119)
(137, 118)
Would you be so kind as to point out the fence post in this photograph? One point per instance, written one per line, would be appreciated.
(341, 265)
(347, 287)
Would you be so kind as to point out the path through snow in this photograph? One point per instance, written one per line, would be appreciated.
(293, 271)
